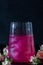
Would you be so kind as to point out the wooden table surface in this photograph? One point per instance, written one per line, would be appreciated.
(25, 64)
(21, 63)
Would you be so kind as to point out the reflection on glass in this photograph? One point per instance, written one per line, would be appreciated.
(21, 41)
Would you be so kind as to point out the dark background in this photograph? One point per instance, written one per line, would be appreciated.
(21, 10)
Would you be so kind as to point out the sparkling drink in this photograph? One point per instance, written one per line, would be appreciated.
(21, 42)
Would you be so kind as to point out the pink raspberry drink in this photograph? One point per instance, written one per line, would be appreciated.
(21, 42)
